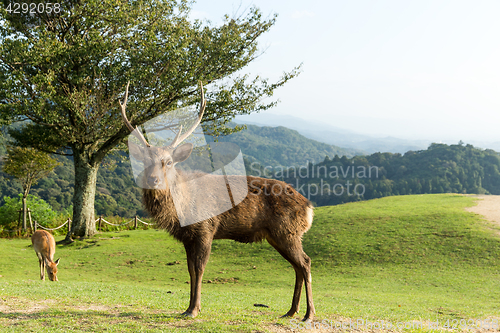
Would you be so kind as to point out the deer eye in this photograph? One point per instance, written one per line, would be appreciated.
(169, 163)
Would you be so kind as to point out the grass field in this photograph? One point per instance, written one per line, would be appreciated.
(397, 259)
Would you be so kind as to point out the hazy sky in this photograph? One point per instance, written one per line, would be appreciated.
(412, 69)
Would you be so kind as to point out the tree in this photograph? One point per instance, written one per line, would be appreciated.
(28, 166)
(63, 73)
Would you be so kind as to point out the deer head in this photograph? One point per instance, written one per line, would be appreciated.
(159, 162)
(52, 269)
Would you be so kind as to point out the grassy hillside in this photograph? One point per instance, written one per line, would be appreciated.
(394, 259)
(414, 231)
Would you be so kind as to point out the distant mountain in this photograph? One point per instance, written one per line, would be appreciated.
(335, 135)
(486, 145)
(281, 146)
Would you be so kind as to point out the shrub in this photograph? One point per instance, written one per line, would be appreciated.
(40, 211)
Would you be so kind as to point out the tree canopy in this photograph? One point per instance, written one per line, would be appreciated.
(63, 73)
(28, 166)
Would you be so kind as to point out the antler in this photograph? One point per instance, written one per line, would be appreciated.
(135, 131)
(179, 138)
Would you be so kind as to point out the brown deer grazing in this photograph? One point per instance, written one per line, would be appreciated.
(281, 217)
(45, 248)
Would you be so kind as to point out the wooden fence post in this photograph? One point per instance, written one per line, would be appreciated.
(69, 225)
(100, 222)
(135, 222)
(31, 222)
(34, 228)
(19, 220)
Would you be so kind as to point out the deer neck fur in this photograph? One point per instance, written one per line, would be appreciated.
(160, 204)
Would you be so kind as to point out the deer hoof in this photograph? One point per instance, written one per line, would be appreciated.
(187, 314)
(287, 315)
(290, 313)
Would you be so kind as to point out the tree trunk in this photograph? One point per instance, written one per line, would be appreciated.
(25, 212)
(84, 196)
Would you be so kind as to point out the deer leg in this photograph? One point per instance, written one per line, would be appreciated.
(304, 263)
(41, 266)
(299, 279)
(192, 275)
(42, 270)
(293, 250)
(306, 269)
(197, 258)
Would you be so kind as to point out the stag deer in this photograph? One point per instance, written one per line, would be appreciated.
(281, 217)
(45, 248)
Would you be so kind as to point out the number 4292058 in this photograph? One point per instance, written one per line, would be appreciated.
(33, 8)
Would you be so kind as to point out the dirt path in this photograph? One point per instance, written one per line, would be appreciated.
(488, 206)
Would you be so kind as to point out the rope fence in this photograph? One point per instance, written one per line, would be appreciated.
(41, 226)
(36, 225)
(119, 225)
(114, 225)
(134, 220)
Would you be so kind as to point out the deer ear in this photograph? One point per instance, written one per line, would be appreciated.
(57, 261)
(181, 153)
(136, 151)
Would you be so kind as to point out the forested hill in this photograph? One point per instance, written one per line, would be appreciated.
(439, 169)
(274, 146)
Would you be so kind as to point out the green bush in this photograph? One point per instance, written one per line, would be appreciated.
(40, 211)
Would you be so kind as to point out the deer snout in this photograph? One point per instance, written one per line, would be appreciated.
(154, 180)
